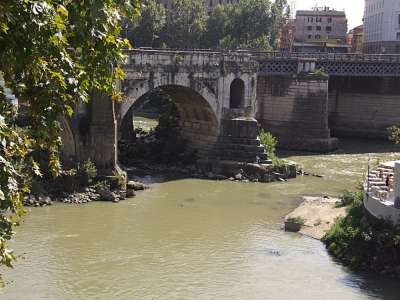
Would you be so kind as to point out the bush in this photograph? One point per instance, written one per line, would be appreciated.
(269, 142)
(296, 220)
(394, 134)
(86, 172)
(348, 198)
(362, 241)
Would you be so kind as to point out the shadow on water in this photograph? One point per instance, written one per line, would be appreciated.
(374, 286)
(350, 146)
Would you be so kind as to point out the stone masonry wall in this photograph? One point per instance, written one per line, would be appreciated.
(363, 106)
(363, 115)
(295, 110)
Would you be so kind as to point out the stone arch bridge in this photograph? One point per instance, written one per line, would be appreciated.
(220, 96)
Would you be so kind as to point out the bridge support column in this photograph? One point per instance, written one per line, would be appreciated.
(295, 110)
(127, 132)
(101, 144)
(239, 141)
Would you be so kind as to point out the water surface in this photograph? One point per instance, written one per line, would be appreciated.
(194, 239)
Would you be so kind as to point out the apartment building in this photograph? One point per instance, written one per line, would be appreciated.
(382, 26)
(320, 30)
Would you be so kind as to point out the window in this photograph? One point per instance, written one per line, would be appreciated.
(319, 28)
(328, 28)
(309, 28)
(329, 20)
(317, 36)
(398, 36)
(310, 36)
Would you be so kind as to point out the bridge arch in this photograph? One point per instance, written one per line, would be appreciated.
(197, 111)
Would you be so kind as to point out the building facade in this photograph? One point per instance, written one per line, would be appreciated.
(355, 38)
(211, 4)
(382, 26)
(320, 30)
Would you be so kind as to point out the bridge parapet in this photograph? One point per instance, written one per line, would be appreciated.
(196, 60)
(269, 63)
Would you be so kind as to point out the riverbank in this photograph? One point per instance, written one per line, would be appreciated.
(220, 170)
(49, 194)
(364, 242)
(315, 216)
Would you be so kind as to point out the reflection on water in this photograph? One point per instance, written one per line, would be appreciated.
(145, 123)
(193, 239)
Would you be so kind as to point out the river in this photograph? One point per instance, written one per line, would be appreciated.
(194, 239)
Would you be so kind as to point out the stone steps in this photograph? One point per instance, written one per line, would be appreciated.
(241, 155)
(242, 141)
(241, 147)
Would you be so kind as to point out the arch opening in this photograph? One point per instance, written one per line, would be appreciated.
(184, 124)
(236, 98)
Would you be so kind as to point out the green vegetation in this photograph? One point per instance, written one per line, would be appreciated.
(86, 172)
(296, 220)
(249, 24)
(364, 242)
(394, 134)
(347, 199)
(164, 144)
(53, 54)
(270, 144)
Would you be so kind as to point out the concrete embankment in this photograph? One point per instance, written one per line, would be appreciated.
(315, 216)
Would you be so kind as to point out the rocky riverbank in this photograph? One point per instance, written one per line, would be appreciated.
(99, 192)
(315, 216)
(220, 170)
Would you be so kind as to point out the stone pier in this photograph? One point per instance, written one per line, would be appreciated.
(295, 109)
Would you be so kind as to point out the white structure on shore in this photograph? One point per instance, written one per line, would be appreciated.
(382, 192)
(382, 26)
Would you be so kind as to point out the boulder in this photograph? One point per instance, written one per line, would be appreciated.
(130, 193)
(106, 194)
(238, 176)
(137, 186)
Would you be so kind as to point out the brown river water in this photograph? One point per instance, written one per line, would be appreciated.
(194, 239)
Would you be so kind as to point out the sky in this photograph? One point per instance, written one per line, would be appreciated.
(354, 8)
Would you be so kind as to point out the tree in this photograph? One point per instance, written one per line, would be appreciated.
(186, 24)
(150, 26)
(217, 26)
(253, 24)
(53, 53)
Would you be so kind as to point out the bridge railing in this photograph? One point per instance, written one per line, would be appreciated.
(353, 57)
(342, 57)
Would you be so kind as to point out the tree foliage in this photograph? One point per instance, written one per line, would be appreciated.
(394, 134)
(364, 242)
(186, 24)
(149, 28)
(252, 24)
(53, 53)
